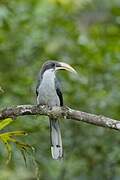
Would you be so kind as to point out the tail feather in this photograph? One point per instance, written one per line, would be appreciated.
(56, 141)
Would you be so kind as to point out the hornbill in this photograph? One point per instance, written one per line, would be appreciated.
(49, 93)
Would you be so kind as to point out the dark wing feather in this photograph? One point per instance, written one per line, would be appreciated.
(37, 90)
(59, 92)
(38, 84)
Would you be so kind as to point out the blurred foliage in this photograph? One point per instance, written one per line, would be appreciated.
(85, 34)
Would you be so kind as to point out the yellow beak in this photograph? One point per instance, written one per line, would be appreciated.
(66, 66)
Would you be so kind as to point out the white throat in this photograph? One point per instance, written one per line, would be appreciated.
(47, 91)
(49, 76)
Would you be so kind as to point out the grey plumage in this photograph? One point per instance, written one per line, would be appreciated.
(56, 140)
(49, 93)
(47, 90)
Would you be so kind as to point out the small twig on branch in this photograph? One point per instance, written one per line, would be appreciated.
(61, 112)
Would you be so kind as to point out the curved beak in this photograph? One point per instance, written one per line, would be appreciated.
(65, 66)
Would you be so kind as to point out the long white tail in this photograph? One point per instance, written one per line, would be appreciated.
(56, 141)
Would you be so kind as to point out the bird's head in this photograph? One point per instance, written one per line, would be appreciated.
(55, 65)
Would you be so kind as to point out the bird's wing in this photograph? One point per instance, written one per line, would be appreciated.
(38, 84)
(59, 91)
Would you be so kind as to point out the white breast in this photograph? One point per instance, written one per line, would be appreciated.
(47, 93)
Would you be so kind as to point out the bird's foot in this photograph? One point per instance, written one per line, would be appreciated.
(65, 109)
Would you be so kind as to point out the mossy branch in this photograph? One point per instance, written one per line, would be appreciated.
(61, 112)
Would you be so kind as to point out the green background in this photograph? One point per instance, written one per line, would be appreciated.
(85, 34)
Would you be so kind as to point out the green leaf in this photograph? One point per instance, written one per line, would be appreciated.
(9, 137)
(9, 150)
(5, 122)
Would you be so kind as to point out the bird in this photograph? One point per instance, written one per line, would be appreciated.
(48, 91)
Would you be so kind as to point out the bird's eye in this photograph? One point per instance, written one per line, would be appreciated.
(53, 65)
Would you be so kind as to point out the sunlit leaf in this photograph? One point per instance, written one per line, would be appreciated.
(5, 122)
(9, 137)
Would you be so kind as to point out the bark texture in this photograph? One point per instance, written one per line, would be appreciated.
(63, 112)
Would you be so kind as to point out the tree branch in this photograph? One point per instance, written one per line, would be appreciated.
(61, 112)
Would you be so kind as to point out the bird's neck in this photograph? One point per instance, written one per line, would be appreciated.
(49, 77)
